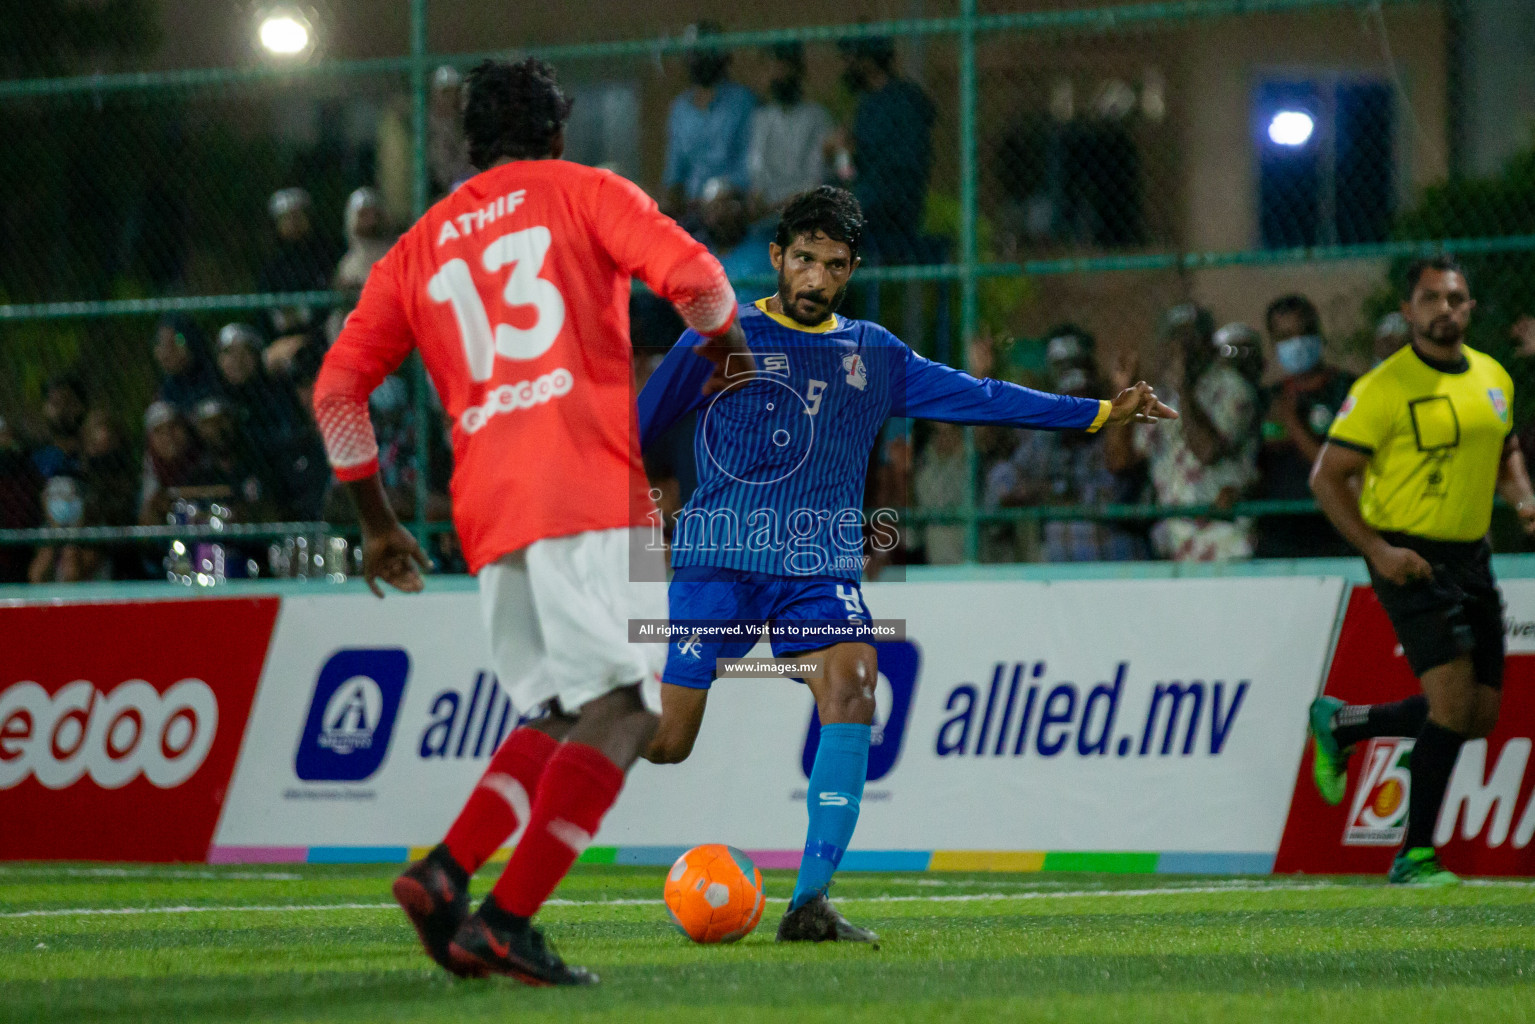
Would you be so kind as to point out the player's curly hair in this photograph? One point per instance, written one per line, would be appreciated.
(831, 211)
(512, 110)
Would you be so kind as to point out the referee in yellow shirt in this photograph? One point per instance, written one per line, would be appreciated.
(1407, 476)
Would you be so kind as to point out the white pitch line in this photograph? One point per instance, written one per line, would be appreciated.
(151, 874)
(1003, 897)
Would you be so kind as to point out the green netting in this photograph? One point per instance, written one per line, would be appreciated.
(1062, 172)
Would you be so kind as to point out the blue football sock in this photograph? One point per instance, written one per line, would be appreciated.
(836, 790)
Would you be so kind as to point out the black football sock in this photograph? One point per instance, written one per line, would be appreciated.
(440, 856)
(1431, 761)
(1354, 722)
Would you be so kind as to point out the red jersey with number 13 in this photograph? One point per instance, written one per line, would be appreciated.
(515, 288)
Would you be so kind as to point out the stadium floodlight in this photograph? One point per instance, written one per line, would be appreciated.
(285, 33)
(1291, 128)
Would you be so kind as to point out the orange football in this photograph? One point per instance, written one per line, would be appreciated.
(714, 893)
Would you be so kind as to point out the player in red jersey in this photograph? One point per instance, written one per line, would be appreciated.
(515, 290)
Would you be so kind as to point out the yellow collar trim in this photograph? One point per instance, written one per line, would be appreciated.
(829, 324)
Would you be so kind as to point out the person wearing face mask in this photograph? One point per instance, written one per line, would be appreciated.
(1301, 409)
(709, 127)
(64, 507)
(791, 137)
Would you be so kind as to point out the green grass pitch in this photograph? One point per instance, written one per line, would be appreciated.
(311, 943)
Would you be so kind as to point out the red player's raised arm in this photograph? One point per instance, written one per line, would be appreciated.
(652, 247)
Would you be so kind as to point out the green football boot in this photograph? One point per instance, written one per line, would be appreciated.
(1420, 866)
(1329, 765)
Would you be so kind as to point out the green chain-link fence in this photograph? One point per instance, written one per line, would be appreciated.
(1047, 191)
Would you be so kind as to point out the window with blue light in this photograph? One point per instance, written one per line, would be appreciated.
(1326, 162)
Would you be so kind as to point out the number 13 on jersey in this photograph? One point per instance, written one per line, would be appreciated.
(523, 252)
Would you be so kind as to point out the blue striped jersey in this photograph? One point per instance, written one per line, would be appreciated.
(783, 450)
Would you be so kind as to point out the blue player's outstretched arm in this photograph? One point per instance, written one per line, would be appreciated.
(674, 390)
(933, 391)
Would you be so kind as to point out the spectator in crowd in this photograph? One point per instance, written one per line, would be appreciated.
(447, 149)
(892, 148)
(1209, 456)
(107, 470)
(791, 137)
(740, 246)
(233, 467)
(181, 352)
(20, 507)
(939, 485)
(1066, 467)
(709, 127)
(171, 460)
(63, 414)
(368, 239)
(1241, 346)
(301, 261)
(1391, 333)
(110, 479)
(1300, 410)
(263, 409)
(304, 478)
(64, 506)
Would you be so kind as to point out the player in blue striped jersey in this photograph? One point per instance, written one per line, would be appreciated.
(774, 531)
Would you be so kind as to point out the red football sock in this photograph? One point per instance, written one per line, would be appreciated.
(502, 800)
(578, 787)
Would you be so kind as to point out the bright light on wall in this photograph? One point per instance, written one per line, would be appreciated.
(1291, 128)
(284, 34)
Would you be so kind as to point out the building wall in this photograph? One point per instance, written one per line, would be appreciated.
(1500, 91)
(1199, 159)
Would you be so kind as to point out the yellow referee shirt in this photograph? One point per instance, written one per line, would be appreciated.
(1435, 438)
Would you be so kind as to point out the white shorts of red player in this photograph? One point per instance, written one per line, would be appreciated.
(557, 613)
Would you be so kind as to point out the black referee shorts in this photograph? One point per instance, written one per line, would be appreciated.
(1457, 612)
